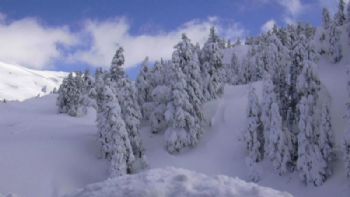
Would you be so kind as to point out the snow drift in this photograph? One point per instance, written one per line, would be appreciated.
(175, 182)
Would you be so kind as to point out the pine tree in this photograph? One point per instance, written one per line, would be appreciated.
(280, 147)
(160, 95)
(253, 137)
(114, 138)
(269, 97)
(116, 70)
(186, 58)
(211, 63)
(326, 18)
(346, 143)
(311, 165)
(184, 126)
(131, 115)
(326, 138)
(335, 48)
(254, 134)
(340, 15)
(144, 87)
(232, 70)
(69, 95)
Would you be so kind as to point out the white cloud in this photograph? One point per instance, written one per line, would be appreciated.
(268, 26)
(105, 35)
(293, 7)
(29, 43)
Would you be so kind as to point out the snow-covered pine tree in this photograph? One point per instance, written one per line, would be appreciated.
(126, 93)
(231, 70)
(313, 167)
(63, 99)
(346, 150)
(69, 94)
(113, 135)
(177, 136)
(116, 70)
(269, 97)
(160, 95)
(184, 125)
(346, 143)
(254, 136)
(326, 18)
(131, 115)
(335, 49)
(186, 58)
(326, 137)
(144, 87)
(280, 145)
(88, 93)
(211, 58)
(340, 15)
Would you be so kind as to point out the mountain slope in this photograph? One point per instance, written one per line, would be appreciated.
(20, 83)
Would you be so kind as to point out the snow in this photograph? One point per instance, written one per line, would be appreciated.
(43, 153)
(20, 83)
(175, 182)
(46, 154)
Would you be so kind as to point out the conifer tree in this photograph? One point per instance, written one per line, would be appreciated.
(211, 63)
(254, 132)
(184, 125)
(144, 87)
(114, 138)
(340, 15)
(280, 147)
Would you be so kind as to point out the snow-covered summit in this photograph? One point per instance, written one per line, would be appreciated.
(175, 182)
(20, 83)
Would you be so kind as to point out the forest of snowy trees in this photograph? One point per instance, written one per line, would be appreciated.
(290, 127)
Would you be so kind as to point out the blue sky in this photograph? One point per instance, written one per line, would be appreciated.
(74, 34)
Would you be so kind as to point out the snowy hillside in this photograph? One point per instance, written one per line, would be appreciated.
(20, 83)
(46, 154)
(175, 182)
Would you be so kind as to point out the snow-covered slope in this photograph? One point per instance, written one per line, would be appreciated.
(20, 83)
(175, 182)
(46, 154)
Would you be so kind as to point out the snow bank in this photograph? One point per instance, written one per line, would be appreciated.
(175, 182)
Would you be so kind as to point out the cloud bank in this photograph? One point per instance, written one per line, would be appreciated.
(105, 36)
(30, 43)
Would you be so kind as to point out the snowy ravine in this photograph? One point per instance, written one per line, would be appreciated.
(20, 83)
(46, 154)
(175, 182)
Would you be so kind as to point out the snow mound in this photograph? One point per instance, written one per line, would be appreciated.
(20, 83)
(172, 181)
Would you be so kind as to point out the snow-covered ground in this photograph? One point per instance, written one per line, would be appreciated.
(20, 83)
(45, 154)
(175, 182)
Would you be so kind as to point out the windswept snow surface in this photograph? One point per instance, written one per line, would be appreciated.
(20, 83)
(175, 182)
